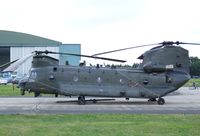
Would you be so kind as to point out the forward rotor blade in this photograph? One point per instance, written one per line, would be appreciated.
(125, 49)
(87, 56)
(16, 64)
(7, 64)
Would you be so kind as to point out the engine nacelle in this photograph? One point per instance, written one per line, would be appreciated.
(150, 67)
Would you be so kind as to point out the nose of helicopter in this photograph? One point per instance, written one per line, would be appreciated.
(180, 78)
(184, 78)
(187, 77)
(22, 82)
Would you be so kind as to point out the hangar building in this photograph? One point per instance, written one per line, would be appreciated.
(16, 45)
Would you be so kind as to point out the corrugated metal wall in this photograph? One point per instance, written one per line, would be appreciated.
(19, 52)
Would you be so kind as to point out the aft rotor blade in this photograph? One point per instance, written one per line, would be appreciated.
(189, 43)
(125, 49)
(177, 43)
(87, 56)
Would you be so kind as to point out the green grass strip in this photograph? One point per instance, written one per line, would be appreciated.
(100, 125)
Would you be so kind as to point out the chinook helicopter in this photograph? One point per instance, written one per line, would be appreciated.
(163, 70)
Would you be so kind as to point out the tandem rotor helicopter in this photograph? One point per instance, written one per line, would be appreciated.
(163, 70)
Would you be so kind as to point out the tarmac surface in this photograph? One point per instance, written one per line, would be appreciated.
(183, 101)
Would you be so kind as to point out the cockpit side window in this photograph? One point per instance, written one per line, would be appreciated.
(33, 74)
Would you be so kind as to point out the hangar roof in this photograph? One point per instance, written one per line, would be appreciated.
(10, 37)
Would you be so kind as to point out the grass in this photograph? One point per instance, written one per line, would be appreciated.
(9, 90)
(191, 81)
(99, 125)
(12, 91)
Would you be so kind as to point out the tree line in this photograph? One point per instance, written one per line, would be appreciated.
(194, 66)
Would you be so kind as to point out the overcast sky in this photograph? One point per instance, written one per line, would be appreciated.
(103, 25)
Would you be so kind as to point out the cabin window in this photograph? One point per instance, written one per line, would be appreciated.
(178, 65)
(155, 74)
(121, 81)
(75, 78)
(145, 82)
(33, 74)
(100, 90)
(168, 78)
(99, 80)
(54, 69)
(51, 77)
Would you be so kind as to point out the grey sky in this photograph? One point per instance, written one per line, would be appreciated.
(101, 25)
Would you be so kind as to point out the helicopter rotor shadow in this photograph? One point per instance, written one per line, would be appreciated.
(108, 102)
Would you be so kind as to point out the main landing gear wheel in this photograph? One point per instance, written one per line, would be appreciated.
(81, 100)
(94, 101)
(161, 101)
(36, 94)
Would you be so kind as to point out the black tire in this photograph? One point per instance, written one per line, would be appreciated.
(81, 100)
(161, 101)
(36, 94)
(127, 99)
(94, 101)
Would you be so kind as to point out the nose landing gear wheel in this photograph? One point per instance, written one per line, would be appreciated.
(81, 100)
(161, 101)
(36, 94)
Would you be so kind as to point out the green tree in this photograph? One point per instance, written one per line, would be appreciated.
(195, 66)
(135, 65)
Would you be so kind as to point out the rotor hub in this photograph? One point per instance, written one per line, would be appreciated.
(166, 43)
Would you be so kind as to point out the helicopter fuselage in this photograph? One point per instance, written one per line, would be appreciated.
(164, 69)
(104, 82)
